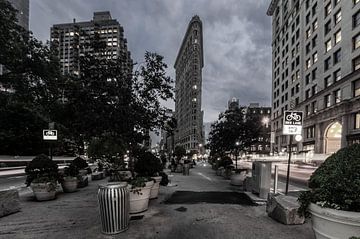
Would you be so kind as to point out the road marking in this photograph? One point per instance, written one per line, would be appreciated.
(18, 177)
(202, 175)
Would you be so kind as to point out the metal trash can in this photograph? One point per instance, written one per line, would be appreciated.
(114, 203)
(186, 169)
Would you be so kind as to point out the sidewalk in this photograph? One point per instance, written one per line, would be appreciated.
(76, 215)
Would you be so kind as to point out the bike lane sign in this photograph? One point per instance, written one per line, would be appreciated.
(293, 121)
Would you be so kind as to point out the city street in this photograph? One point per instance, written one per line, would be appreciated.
(75, 215)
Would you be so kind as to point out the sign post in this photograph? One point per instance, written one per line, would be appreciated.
(50, 135)
(293, 121)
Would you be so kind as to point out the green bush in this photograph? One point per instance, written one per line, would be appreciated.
(71, 171)
(224, 162)
(41, 169)
(79, 163)
(147, 165)
(336, 183)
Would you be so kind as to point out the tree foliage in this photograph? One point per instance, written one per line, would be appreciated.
(233, 131)
(105, 100)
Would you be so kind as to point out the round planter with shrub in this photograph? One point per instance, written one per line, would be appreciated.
(69, 181)
(42, 177)
(334, 196)
(140, 189)
(148, 165)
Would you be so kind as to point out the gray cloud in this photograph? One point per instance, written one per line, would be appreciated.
(237, 39)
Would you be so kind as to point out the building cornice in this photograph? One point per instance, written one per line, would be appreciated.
(272, 7)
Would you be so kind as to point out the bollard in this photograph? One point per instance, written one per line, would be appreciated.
(276, 174)
(114, 203)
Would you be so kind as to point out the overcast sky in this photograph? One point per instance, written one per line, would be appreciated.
(237, 39)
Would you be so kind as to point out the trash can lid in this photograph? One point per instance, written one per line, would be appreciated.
(114, 185)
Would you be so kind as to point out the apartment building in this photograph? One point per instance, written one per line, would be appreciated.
(316, 62)
(71, 40)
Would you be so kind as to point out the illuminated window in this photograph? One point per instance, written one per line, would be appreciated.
(337, 36)
(328, 45)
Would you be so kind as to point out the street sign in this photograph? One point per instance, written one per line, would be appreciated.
(49, 134)
(293, 121)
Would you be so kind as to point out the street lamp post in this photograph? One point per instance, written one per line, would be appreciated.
(236, 152)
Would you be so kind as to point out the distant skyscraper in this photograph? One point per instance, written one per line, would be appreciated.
(23, 12)
(71, 40)
(233, 104)
(22, 6)
(188, 69)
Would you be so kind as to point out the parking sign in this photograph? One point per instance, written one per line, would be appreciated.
(293, 121)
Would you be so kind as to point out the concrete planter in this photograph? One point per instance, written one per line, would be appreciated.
(139, 198)
(69, 184)
(330, 223)
(238, 179)
(44, 191)
(155, 188)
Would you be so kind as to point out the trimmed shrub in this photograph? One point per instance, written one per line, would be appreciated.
(336, 183)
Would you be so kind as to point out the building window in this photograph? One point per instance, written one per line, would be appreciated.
(328, 45)
(337, 75)
(307, 79)
(327, 81)
(336, 2)
(308, 63)
(327, 63)
(314, 74)
(315, 25)
(308, 33)
(357, 121)
(315, 57)
(356, 41)
(337, 36)
(356, 19)
(356, 63)
(357, 88)
(314, 40)
(307, 19)
(337, 56)
(308, 47)
(337, 17)
(313, 107)
(314, 9)
(337, 95)
(328, 27)
(327, 101)
(328, 10)
(307, 94)
(310, 132)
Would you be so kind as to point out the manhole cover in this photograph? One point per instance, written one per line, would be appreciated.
(189, 197)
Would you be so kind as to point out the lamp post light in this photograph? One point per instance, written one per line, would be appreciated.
(237, 143)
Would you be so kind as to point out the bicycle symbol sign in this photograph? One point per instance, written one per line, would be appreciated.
(293, 122)
(293, 118)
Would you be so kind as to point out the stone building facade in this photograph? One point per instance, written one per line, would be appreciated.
(316, 62)
(188, 69)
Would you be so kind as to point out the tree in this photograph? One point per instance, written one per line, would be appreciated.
(28, 84)
(233, 131)
(179, 152)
